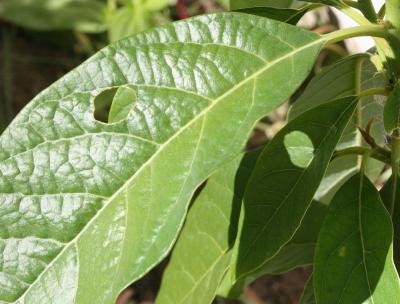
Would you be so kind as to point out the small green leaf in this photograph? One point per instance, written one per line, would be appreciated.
(88, 207)
(308, 296)
(280, 191)
(123, 103)
(354, 255)
(391, 114)
(80, 15)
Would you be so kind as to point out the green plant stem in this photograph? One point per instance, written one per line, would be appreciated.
(376, 153)
(395, 167)
(363, 30)
(373, 91)
(357, 90)
(388, 49)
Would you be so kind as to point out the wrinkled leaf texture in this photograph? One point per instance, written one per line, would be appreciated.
(88, 207)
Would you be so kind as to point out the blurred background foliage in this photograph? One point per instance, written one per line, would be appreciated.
(41, 40)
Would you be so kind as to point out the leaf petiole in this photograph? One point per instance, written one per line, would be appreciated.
(373, 91)
(363, 30)
(376, 153)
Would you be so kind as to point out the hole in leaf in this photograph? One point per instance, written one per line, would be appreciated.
(300, 148)
(114, 105)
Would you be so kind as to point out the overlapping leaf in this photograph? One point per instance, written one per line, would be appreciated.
(354, 255)
(88, 207)
(285, 180)
(202, 254)
(339, 80)
(296, 253)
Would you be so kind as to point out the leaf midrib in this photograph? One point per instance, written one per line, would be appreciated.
(162, 146)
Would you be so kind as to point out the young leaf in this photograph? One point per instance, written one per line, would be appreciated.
(202, 253)
(339, 80)
(284, 182)
(88, 207)
(48, 15)
(391, 114)
(354, 255)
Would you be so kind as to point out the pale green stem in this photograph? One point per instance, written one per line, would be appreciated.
(363, 30)
(373, 91)
(376, 153)
(385, 51)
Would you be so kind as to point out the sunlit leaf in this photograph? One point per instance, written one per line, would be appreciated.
(88, 207)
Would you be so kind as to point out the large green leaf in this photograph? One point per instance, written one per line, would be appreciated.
(339, 80)
(284, 182)
(88, 207)
(202, 253)
(81, 15)
(354, 255)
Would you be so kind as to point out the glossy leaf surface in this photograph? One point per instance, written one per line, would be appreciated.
(284, 182)
(88, 207)
(354, 256)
